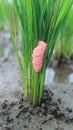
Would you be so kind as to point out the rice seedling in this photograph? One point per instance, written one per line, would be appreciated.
(41, 21)
(3, 7)
(64, 43)
(1, 15)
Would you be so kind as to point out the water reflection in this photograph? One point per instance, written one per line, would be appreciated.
(59, 75)
(70, 78)
(49, 77)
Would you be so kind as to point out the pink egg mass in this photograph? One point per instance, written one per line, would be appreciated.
(38, 56)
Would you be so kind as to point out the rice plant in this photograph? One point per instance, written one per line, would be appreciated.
(41, 20)
(64, 43)
(3, 16)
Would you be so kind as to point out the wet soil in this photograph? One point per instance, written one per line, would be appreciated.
(17, 113)
(49, 115)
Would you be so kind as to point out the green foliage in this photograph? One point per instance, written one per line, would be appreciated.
(1, 16)
(4, 13)
(64, 43)
(40, 20)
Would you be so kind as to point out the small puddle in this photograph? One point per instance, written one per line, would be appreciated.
(59, 75)
(70, 78)
(49, 77)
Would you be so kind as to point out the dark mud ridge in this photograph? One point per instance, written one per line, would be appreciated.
(21, 115)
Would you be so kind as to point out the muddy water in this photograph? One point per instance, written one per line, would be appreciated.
(17, 113)
(59, 75)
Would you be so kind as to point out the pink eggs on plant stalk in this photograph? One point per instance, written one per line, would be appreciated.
(38, 56)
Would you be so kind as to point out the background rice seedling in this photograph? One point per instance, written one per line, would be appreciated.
(64, 43)
(3, 16)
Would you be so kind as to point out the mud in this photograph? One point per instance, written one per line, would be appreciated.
(50, 114)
